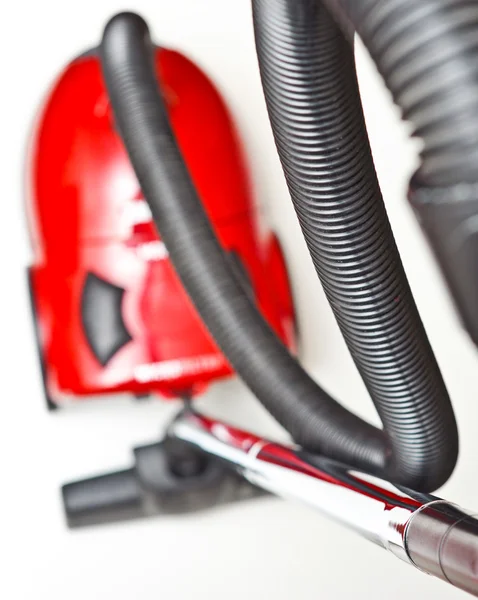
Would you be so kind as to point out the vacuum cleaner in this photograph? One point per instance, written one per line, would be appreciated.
(378, 482)
(110, 312)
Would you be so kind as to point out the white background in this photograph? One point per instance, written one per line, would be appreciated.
(267, 549)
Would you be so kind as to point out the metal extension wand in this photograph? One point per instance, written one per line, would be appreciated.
(433, 535)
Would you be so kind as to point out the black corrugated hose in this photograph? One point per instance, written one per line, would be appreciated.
(427, 52)
(309, 79)
(310, 84)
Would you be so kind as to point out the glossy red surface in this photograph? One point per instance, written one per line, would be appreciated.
(86, 215)
(232, 436)
(295, 459)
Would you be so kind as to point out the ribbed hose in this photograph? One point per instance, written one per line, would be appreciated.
(315, 420)
(427, 53)
(309, 79)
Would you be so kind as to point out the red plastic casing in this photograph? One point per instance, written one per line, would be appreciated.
(86, 215)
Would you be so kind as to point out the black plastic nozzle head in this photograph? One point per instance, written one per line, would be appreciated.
(169, 477)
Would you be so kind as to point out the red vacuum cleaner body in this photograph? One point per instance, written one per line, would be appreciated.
(110, 312)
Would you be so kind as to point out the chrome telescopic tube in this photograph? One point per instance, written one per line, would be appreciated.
(432, 534)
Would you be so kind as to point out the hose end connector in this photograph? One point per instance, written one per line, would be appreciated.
(442, 539)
